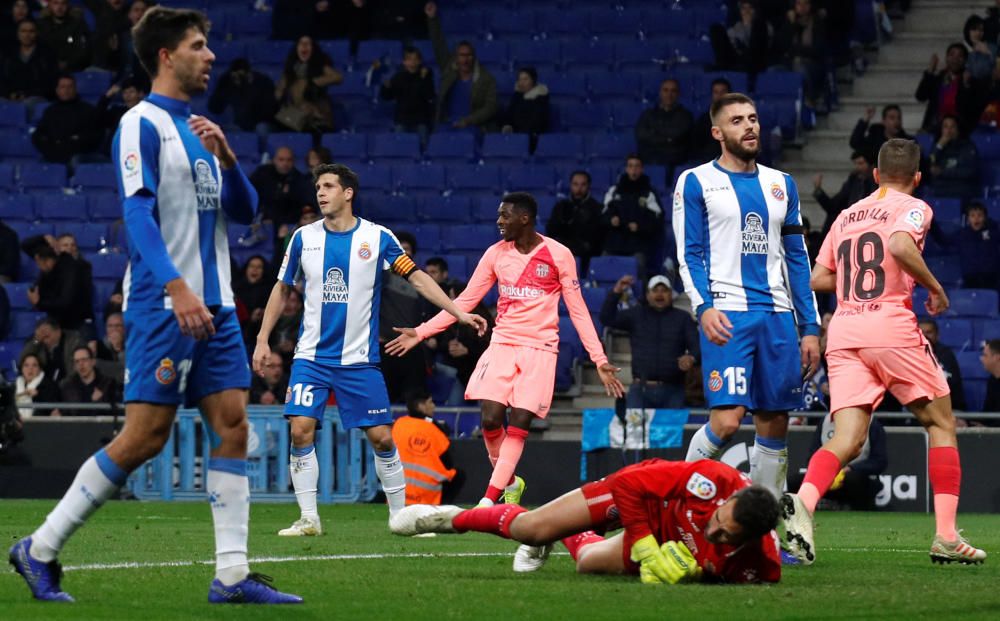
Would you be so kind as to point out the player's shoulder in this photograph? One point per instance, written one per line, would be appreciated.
(697, 173)
(709, 479)
(773, 175)
(557, 249)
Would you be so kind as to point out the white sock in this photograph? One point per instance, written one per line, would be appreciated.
(229, 493)
(96, 481)
(389, 468)
(704, 445)
(769, 464)
(304, 468)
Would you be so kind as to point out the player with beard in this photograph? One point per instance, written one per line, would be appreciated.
(739, 232)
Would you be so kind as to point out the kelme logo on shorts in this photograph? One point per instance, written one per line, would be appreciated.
(165, 373)
(715, 381)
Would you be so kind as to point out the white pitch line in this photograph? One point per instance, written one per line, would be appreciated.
(377, 556)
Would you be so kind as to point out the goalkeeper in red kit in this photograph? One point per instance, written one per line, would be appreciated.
(683, 522)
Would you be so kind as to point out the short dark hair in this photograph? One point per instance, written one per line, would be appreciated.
(66, 76)
(928, 321)
(532, 73)
(90, 354)
(406, 237)
(162, 27)
(324, 154)
(409, 49)
(44, 251)
(437, 261)
(726, 100)
(972, 23)
(467, 44)
(66, 234)
(898, 159)
(723, 81)
(958, 46)
(976, 204)
(414, 401)
(580, 172)
(49, 321)
(994, 345)
(886, 110)
(347, 177)
(856, 154)
(756, 511)
(633, 156)
(523, 201)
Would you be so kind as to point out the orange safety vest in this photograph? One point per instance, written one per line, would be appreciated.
(421, 445)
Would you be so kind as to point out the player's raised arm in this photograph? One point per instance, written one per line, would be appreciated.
(239, 197)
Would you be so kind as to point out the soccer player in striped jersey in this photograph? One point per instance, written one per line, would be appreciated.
(180, 183)
(339, 261)
(743, 260)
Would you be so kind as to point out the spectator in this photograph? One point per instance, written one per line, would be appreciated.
(282, 189)
(577, 222)
(110, 20)
(954, 162)
(131, 67)
(64, 31)
(10, 262)
(858, 185)
(69, 127)
(249, 93)
(66, 244)
(746, 45)
(111, 350)
(412, 88)
(528, 110)
(437, 268)
(946, 358)
(19, 10)
(992, 23)
(64, 286)
(990, 358)
(982, 55)
(53, 347)
(459, 347)
(663, 133)
(284, 233)
(405, 376)
(423, 449)
(87, 384)
(110, 112)
(286, 330)
(301, 91)
(29, 69)
(269, 388)
(632, 216)
(951, 91)
(467, 94)
(252, 289)
(979, 249)
(34, 386)
(868, 139)
(704, 147)
(802, 45)
(4, 319)
(317, 156)
(664, 343)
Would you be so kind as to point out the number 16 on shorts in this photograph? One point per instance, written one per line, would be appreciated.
(302, 395)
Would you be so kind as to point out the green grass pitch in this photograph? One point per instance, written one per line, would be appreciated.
(871, 566)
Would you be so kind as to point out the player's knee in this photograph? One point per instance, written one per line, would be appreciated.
(381, 438)
(726, 427)
(235, 433)
(530, 531)
(302, 436)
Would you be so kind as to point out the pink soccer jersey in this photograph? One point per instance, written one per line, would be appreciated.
(874, 294)
(528, 310)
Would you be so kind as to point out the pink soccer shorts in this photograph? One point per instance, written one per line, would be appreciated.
(860, 377)
(521, 377)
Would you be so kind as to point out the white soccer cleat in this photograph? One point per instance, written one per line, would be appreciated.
(798, 529)
(303, 527)
(484, 503)
(419, 519)
(956, 552)
(531, 558)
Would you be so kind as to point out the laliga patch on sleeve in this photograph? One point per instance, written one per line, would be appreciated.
(701, 486)
(915, 218)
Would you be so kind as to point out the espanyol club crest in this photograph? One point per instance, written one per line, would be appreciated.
(777, 192)
(715, 381)
(165, 373)
(542, 270)
(701, 486)
(365, 251)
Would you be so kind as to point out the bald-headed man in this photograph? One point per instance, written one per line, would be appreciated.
(283, 189)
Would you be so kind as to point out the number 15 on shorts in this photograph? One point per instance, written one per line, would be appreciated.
(736, 380)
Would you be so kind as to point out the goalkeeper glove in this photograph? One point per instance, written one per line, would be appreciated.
(670, 563)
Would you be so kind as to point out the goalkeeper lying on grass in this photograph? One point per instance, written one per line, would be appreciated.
(683, 522)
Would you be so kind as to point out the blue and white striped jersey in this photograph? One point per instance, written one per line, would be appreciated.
(342, 274)
(159, 158)
(740, 245)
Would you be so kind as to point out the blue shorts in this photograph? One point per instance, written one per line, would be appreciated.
(362, 398)
(164, 366)
(759, 368)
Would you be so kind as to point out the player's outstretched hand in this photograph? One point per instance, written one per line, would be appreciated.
(474, 321)
(260, 355)
(716, 326)
(403, 343)
(937, 303)
(612, 385)
(192, 315)
(213, 139)
(810, 356)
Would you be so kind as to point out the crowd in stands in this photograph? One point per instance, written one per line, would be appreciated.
(592, 107)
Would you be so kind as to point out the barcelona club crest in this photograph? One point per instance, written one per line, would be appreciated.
(777, 192)
(715, 381)
(365, 251)
(542, 270)
(165, 373)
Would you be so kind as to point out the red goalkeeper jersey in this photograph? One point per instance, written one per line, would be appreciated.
(673, 501)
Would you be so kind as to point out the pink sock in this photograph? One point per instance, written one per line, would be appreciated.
(493, 439)
(945, 471)
(577, 542)
(823, 469)
(494, 520)
(510, 454)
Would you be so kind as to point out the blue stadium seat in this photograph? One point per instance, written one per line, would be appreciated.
(493, 53)
(375, 177)
(17, 207)
(975, 393)
(95, 176)
(607, 270)
(454, 209)
(738, 81)
(581, 55)
(228, 51)
(501, 22)
(250, 24)
(22, 325)
(244, 144)
(103, 290)
(43, 176)
(90, 85)
(259, 52)
(970, 366)
(564, 368)
(505, 147)
(613, 21)
(462, 21)
(987, 144)
(90, 236)
(339, 51)
(604, 84)
(557, 22)
(613, 147)
(535, 53)
(394, 147)
(583, 116)
(784, 84)
(536, 179)
(15, 146)
(474, 177)
(29, 229)
(13, 114)
(697, 53)
(17, 293)
(946, 269)
(345, 145)
(659, 22)
(419, 176)
(594, 298)
(484, 209)
(946, 209)
(973, 303)
(471, 237)
(919, 301)
(298, 142)
(439, 386)
(58, 206)
(467, 425)
(985, 330)
(560, 147)
(387, 208)
(7, 176)
(109, 266)
(9, 353)
(569, 335)
(428, 236)
(956, 333)
(779, 113)
(378, 49)
(104, 206)
(458, 147)
(641, 55)
(566, 86)
(458, 266)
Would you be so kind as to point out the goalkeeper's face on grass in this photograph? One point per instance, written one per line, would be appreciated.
(722, 526)
(192, 62)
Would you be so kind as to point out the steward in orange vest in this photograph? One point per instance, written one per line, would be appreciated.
(421, 446)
